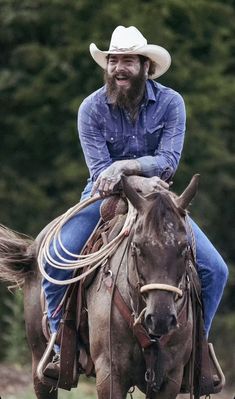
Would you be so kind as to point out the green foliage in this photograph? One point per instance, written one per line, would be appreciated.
(46, 71)
(14, 337)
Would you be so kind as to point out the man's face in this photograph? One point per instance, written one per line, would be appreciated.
(125, 77)
(122, 68)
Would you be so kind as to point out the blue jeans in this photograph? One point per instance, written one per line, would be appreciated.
(213, 274)
(74, 235)
(212, 269)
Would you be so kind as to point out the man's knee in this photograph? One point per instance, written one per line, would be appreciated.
(223, 271)
(218, 271)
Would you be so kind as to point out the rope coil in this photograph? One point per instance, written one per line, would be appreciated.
(93, 260)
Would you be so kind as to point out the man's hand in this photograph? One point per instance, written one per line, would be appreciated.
(110, 177)
(147, 185)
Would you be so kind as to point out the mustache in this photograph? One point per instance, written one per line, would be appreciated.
(112, 78)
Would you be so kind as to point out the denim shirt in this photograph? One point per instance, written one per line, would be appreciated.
(155, 139)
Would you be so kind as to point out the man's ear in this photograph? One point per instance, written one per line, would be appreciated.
(146, 67)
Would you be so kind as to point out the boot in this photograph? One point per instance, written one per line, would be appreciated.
(52, 370)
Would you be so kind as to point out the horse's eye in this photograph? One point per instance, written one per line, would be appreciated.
(141, 276)
(138, 250)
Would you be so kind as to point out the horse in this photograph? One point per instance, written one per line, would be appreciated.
(149, 269)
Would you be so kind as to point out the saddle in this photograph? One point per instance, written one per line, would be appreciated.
(202, 374)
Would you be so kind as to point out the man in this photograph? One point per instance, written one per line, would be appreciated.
(132, 125)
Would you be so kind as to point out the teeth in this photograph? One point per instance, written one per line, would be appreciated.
(122, 77)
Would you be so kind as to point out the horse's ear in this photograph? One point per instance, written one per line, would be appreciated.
(189, 193)
(137, 200)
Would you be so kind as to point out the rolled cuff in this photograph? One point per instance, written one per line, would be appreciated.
(151, 167)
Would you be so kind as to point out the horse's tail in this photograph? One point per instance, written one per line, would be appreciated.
(17, 256)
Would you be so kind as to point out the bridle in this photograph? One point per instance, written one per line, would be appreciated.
(159, 286)
(139, 307)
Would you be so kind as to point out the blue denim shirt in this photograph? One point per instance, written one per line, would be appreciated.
(107, 133)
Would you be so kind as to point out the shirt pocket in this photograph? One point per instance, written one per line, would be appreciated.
(115, 143)
(153, 136)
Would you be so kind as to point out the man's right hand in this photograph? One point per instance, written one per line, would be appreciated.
(110, 177)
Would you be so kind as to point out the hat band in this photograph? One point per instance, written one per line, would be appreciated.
(125, 49)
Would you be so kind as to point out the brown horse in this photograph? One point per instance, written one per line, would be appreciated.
(149, 269)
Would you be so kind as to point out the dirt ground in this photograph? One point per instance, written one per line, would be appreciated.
(15, 380)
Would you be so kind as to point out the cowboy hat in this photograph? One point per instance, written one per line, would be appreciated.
(131, 41)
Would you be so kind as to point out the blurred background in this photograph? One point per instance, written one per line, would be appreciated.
(46, 71)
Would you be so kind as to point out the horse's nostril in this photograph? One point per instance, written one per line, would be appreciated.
(148, 320)
(158, 325)
(173, 321)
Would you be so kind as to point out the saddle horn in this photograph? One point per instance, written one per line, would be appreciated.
(189, 193)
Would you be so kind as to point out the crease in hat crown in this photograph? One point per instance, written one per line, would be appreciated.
(131, 41)
(126, 39)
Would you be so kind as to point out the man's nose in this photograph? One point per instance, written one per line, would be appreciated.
(120, 66)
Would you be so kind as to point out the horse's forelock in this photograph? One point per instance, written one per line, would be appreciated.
(161, 210)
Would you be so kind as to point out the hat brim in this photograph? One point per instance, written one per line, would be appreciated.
(157, 54)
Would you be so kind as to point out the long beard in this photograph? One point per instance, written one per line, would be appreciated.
(128, 98)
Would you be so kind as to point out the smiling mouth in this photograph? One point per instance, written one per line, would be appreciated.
(122, 79)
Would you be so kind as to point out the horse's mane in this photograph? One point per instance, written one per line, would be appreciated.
(162, 210)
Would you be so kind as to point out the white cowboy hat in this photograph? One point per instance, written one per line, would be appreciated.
(131, 41)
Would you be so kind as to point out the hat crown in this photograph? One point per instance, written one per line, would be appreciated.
(126, 39)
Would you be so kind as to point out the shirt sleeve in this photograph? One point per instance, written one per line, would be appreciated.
(167, 156)
(92, 140)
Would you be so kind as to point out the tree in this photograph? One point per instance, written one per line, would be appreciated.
(46, 71)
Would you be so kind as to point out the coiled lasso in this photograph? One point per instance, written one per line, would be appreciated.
(93, 260)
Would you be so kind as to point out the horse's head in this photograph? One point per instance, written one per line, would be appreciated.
(160, 249)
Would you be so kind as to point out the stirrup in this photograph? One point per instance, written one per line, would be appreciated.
(44, 361)
(52, 369)
(219, 382)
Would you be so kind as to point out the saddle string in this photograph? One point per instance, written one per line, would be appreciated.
(93, 260)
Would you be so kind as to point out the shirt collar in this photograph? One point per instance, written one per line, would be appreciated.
(149, 93)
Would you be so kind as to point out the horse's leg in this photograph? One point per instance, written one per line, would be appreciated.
(109, 388)
(35, 337)
(43, 391)
(104, 389)
(171, 387)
